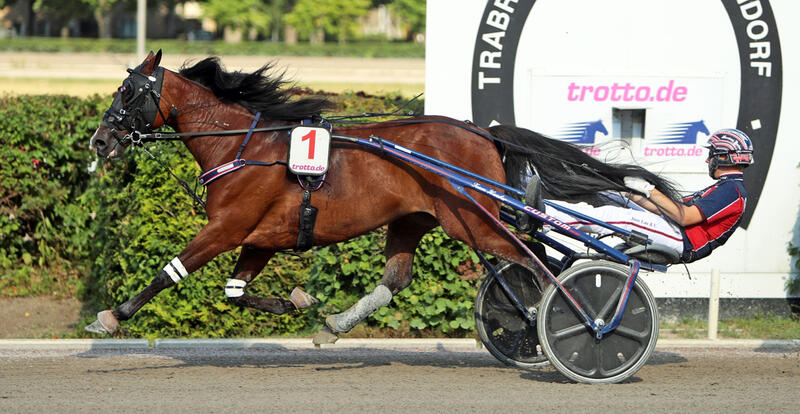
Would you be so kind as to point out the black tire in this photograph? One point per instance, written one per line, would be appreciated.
(572, 347)
(502, 327)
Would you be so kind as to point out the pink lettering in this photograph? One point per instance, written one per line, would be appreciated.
(673, 151)
(598, 96)
(572, 88)
(627, 92)
(680, 94)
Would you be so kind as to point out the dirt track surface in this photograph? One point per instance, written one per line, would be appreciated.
(202, 380)
(38, 317)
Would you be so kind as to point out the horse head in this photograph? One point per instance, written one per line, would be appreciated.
(683, 133)
(596, 126)
(134, 110)
(700, 126)
(583, 132)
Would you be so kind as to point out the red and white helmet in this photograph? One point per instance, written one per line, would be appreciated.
(733, 143)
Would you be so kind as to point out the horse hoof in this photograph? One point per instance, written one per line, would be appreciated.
(325, 336)
(106, 324)
(302, 300)
(330, 323)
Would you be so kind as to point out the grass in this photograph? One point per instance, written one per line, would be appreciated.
(88, 87)
(362, 48)
(760, 327)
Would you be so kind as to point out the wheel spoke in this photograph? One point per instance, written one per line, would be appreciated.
(611, 303)
(570, 331)
(598, 360)
(585, 303)
(640, 337)
(514, 351)
(530, 294)
(505, 307)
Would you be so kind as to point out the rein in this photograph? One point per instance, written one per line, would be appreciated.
(177, 136)
(138, 139)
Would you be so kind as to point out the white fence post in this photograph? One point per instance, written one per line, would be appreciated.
(141, 29)
(713, 305)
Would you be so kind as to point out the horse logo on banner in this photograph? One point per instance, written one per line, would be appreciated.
(582, 132)
(683, 133)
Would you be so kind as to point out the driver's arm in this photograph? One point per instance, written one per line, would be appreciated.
(681, 213)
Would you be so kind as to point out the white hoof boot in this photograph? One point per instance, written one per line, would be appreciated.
(345, 321)
(302, 300)
(106, 324)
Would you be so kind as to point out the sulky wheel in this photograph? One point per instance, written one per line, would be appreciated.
(503, 329)
(571, 346)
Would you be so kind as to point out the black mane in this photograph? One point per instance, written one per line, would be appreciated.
(255, 91)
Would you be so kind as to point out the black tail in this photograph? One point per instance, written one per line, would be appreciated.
(566, 172)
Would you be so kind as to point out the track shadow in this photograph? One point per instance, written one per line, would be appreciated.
(333, 360)
(324, 359)
(664, 358)
(781, 348)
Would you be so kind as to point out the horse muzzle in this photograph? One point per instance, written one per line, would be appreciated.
(107, 143)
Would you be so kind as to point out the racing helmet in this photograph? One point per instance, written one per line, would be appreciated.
(731, 142)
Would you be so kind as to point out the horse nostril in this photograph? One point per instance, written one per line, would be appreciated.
(99, 143)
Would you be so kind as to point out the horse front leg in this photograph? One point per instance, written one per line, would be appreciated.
(210, 242)
(251, 262)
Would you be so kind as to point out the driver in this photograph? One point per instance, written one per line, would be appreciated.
(701, 223)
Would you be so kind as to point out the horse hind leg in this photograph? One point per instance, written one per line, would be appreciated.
(488, 235)
(251, 262)
(402, 239)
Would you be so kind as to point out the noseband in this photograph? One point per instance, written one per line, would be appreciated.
(136, 105)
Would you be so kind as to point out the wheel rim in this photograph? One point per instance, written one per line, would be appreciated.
(573, 344)
(505, 326)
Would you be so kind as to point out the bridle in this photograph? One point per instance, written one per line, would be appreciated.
(136, 106)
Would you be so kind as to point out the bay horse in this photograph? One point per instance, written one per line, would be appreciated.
(258, 207)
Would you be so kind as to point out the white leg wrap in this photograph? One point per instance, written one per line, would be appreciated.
(175, 270)
(234, 288)
(346, 320)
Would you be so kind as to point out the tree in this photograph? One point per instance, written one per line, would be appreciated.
(240, 14)
(315, 18)
(412, 12)
(102, 15)
(59, 12)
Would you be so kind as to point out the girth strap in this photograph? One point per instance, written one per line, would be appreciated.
(308, 217)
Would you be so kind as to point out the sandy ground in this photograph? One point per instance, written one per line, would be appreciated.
(680, 380)
(37, 317)
(307, 69)
(84, 73)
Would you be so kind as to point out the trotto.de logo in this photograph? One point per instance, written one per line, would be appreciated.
(582, 132)
(679, 140)
(627, 92)
(682, 133)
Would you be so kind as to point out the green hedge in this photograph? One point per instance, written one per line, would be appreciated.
(43, 174)
(103, 236)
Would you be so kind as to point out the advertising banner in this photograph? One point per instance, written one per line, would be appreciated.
(643, 81)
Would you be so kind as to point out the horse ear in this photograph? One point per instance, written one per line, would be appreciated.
(151, 62)
(157, 59)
